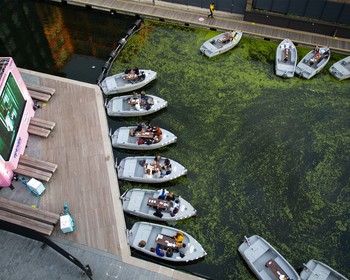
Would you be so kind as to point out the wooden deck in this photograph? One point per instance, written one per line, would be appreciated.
(190, 16)
(80, 147)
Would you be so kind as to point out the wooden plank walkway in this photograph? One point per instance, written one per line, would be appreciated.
(190, 16)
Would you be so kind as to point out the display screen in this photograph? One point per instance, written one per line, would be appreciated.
(12, 105)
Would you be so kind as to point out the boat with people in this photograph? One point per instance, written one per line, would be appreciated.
(142, 137)
(164, 242)
(314, 269)
(134, 105)
(149, 169)
(160, 205)
(313, 62)
(286, 59)
(341, 69)
(221, 43)
(265, 261)
(129, 80)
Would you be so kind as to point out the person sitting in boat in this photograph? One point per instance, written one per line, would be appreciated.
(136, 71)
(228, 37)
(149, 127)
(157, 131)
(137, 105)
(156, 162)
(179, 237)
(156, 139)
(317, 49)
(162, 193)
(166, 168)
(143, 98)
(169, 252)
(174, 209)
(148, 174)
(170, 197)
(159, 251)
(158, 212)
(127, 70)
(134, 99)
(286, 54)
(142, 76)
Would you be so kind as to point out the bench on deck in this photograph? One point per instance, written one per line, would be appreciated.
(28, 217)
(41, 93)
(40, 127)
(37, 163)
(276, 269)
(35, 168)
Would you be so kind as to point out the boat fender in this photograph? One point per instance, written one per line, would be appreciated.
(106, 66)
(113, 54)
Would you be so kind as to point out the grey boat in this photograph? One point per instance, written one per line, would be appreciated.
(120, 106)
(218, 44)
(141, 203)
(341, 69)
(118, 84)
(313, 63)
(145, 237)
(286, 59)
(124, 138)
(316, 270)
(265, 261)
(132, 169)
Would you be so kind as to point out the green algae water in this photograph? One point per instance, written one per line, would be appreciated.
(265, 155)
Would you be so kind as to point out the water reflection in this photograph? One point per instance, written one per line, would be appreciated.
(51, 38)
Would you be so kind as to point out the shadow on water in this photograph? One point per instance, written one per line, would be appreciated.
(264, 155)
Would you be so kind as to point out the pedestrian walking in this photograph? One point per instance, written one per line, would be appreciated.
(211, 10)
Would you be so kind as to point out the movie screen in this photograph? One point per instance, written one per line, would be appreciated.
(12, 105)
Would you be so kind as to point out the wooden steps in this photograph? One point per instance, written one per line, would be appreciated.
(26, 216)
(41, 93)
(35, 168)
(40, 127)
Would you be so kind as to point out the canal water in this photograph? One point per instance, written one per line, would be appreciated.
(264, 155)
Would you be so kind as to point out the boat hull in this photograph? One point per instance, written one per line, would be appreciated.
(149, 232)
(135, 203)
(317, 270)
(286, 59)
(341, 69)
(121, 139)
(116, 84)
(131, 169)
(307, 69)
(264, 260)
(119, 106)
(214, 47)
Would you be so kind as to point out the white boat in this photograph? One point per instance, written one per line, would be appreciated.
(341, 69)
(133, 169)
(146, 237)
(313, 62)
(221, 43)
(119, 83)
(286, 59)
(125, 138)
(265, 261)
(142, 203)
(120, 106)
(316, 270)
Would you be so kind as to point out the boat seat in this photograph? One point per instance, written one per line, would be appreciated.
(135, 201)
(142, 234)
(264, 275)
(167, 232)
(123, 137)
(321, 273)
(129, 168)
